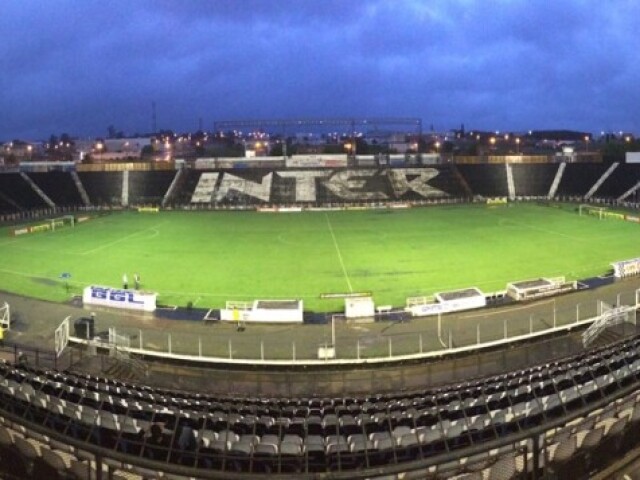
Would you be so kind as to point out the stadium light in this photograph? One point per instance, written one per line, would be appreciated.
(586, 143)
(517, 145)
(99, 148)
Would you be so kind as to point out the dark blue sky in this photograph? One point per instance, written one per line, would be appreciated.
(80, 66)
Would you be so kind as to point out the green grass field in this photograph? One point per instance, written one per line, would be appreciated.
(210, 257)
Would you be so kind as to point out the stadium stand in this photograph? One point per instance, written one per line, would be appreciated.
(19, 193)
(585, 409)
(149, 187)
(578, 178)
(59, 187)
(486, 180)
(103, 188)
(533, 180)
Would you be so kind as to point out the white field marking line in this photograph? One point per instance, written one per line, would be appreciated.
(44, 250)
(22, 274)
(42, 277)
(234, 295)
(122, 239)
(335, 243)
(506, 310)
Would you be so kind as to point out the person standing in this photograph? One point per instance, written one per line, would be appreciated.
(125, 281)
(136, 279)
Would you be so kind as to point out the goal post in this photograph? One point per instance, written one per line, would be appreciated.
(592, 210)
(64, 221)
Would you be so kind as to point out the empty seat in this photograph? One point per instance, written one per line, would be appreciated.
(503, 469)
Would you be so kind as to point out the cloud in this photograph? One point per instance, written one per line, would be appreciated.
(81, 66)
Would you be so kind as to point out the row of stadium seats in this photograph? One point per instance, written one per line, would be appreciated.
(315, 434)
(576, 449)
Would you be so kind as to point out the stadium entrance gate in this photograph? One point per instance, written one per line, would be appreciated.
(61, 337)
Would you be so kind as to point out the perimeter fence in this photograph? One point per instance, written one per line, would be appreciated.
(358, 342)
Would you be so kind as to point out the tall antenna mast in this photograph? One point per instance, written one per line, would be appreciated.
(154, 120)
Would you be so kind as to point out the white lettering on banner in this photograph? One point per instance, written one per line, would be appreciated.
(401, 184)
(361, 184)
(204, 189)
(118, 298)
(349, 185)
(447, 306)
(305, 183)
(260, 190)
(626, 268)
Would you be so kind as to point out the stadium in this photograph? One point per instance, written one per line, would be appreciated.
(309, 317)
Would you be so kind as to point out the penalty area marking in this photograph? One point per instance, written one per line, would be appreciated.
(153, 228)
(335, 243)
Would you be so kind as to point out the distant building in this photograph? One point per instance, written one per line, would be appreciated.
(111, 148)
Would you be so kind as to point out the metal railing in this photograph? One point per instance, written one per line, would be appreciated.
(433, 341)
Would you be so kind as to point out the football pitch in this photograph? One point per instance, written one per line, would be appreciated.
(207, 258)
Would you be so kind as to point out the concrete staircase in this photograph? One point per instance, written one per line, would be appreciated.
(462, 180)
(11, 202)
(169, 193)
(125, 188)
(80, 187)
(556, 180)
(601, 180)
(38, 190)
(510, 183)
(629, 192)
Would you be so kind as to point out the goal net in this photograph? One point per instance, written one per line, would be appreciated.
(592, 210)
(61, 222)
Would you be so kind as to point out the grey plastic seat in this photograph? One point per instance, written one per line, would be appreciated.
(6, 440)
(294, 439)
(503, 469)
(287, 448)
(54, 460)
(270, 449)
(82, 470)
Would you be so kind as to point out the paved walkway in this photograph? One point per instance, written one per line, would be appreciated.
(35, 321)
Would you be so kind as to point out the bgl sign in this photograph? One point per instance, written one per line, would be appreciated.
(118, 298)
(125, 296)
